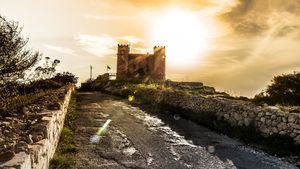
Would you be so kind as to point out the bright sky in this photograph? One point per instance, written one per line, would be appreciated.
(236, 46)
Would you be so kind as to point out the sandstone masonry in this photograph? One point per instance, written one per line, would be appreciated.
(41, 152)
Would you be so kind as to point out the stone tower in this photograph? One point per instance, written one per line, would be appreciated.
(141, 66)
(122, 60)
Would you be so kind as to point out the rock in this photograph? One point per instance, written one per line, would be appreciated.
(269, 113)
(274, 130)
(21, 146)
(226, 116)
(294, 126)
(245, 114)
(282, 132)
(284, 119)
(37, 137)
(240, 123)
(268, 122)
(273, 117)
(263, 120)
(6, 133)
(273, 108)
(297, 139)
(251, 115)
(247, 121)
(281, 126)
(278, 119)
(265, 130)
(293, 135)
(274, 123)
(29, 139)
(54, 106)
(291, 119)
(296, 131)
(26, 111)
(237, 117)
(6, 156)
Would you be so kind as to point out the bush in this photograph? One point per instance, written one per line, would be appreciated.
(65, 78)
(284, 89)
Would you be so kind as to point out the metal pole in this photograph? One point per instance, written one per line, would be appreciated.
(91, 72)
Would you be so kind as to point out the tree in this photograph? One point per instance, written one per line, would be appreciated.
(47, 70)
(284, 89)
(15, 59)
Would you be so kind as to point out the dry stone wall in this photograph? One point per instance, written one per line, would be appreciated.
(268, 120)
(41, 152)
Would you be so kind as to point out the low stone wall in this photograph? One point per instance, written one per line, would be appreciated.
(41, 152)
(268, 120)
(213, 110)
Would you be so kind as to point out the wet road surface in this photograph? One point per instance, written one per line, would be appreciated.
(137, 138)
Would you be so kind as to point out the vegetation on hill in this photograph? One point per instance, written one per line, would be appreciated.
(102, 82)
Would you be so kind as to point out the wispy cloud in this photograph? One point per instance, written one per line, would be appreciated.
(97, 45)
(104, 45)
(131, 39)
(108, 17)
(59, 49)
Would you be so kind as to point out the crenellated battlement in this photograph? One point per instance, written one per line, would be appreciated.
(123, 45)
(163, 47)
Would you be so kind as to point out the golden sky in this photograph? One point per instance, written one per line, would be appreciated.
(236, 46)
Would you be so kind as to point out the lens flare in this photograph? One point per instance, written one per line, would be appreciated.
(100, 133)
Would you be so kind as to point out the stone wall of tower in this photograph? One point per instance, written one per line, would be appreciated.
(122, 61)
(159, 70)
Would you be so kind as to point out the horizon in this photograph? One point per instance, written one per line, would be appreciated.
(233, 45)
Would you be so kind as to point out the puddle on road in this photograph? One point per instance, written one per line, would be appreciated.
(154, 124)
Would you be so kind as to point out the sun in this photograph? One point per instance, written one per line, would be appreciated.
(185, 35)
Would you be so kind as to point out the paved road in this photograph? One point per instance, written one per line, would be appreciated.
(137, 138)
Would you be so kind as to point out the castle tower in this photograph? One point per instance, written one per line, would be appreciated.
(159, 71)
(122, 60)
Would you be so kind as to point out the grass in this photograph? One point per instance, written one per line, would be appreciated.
(64, 157)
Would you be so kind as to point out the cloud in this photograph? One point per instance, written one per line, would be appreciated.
(131, 39)
(256, 17)
(59, 49)
(192, 4)
(103, 17)
(105, 45)
(97, 45)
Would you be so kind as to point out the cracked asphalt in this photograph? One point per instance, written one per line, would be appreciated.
(140, 137)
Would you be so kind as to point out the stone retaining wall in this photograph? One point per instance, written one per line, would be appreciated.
(268, 120)
(41, 152)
